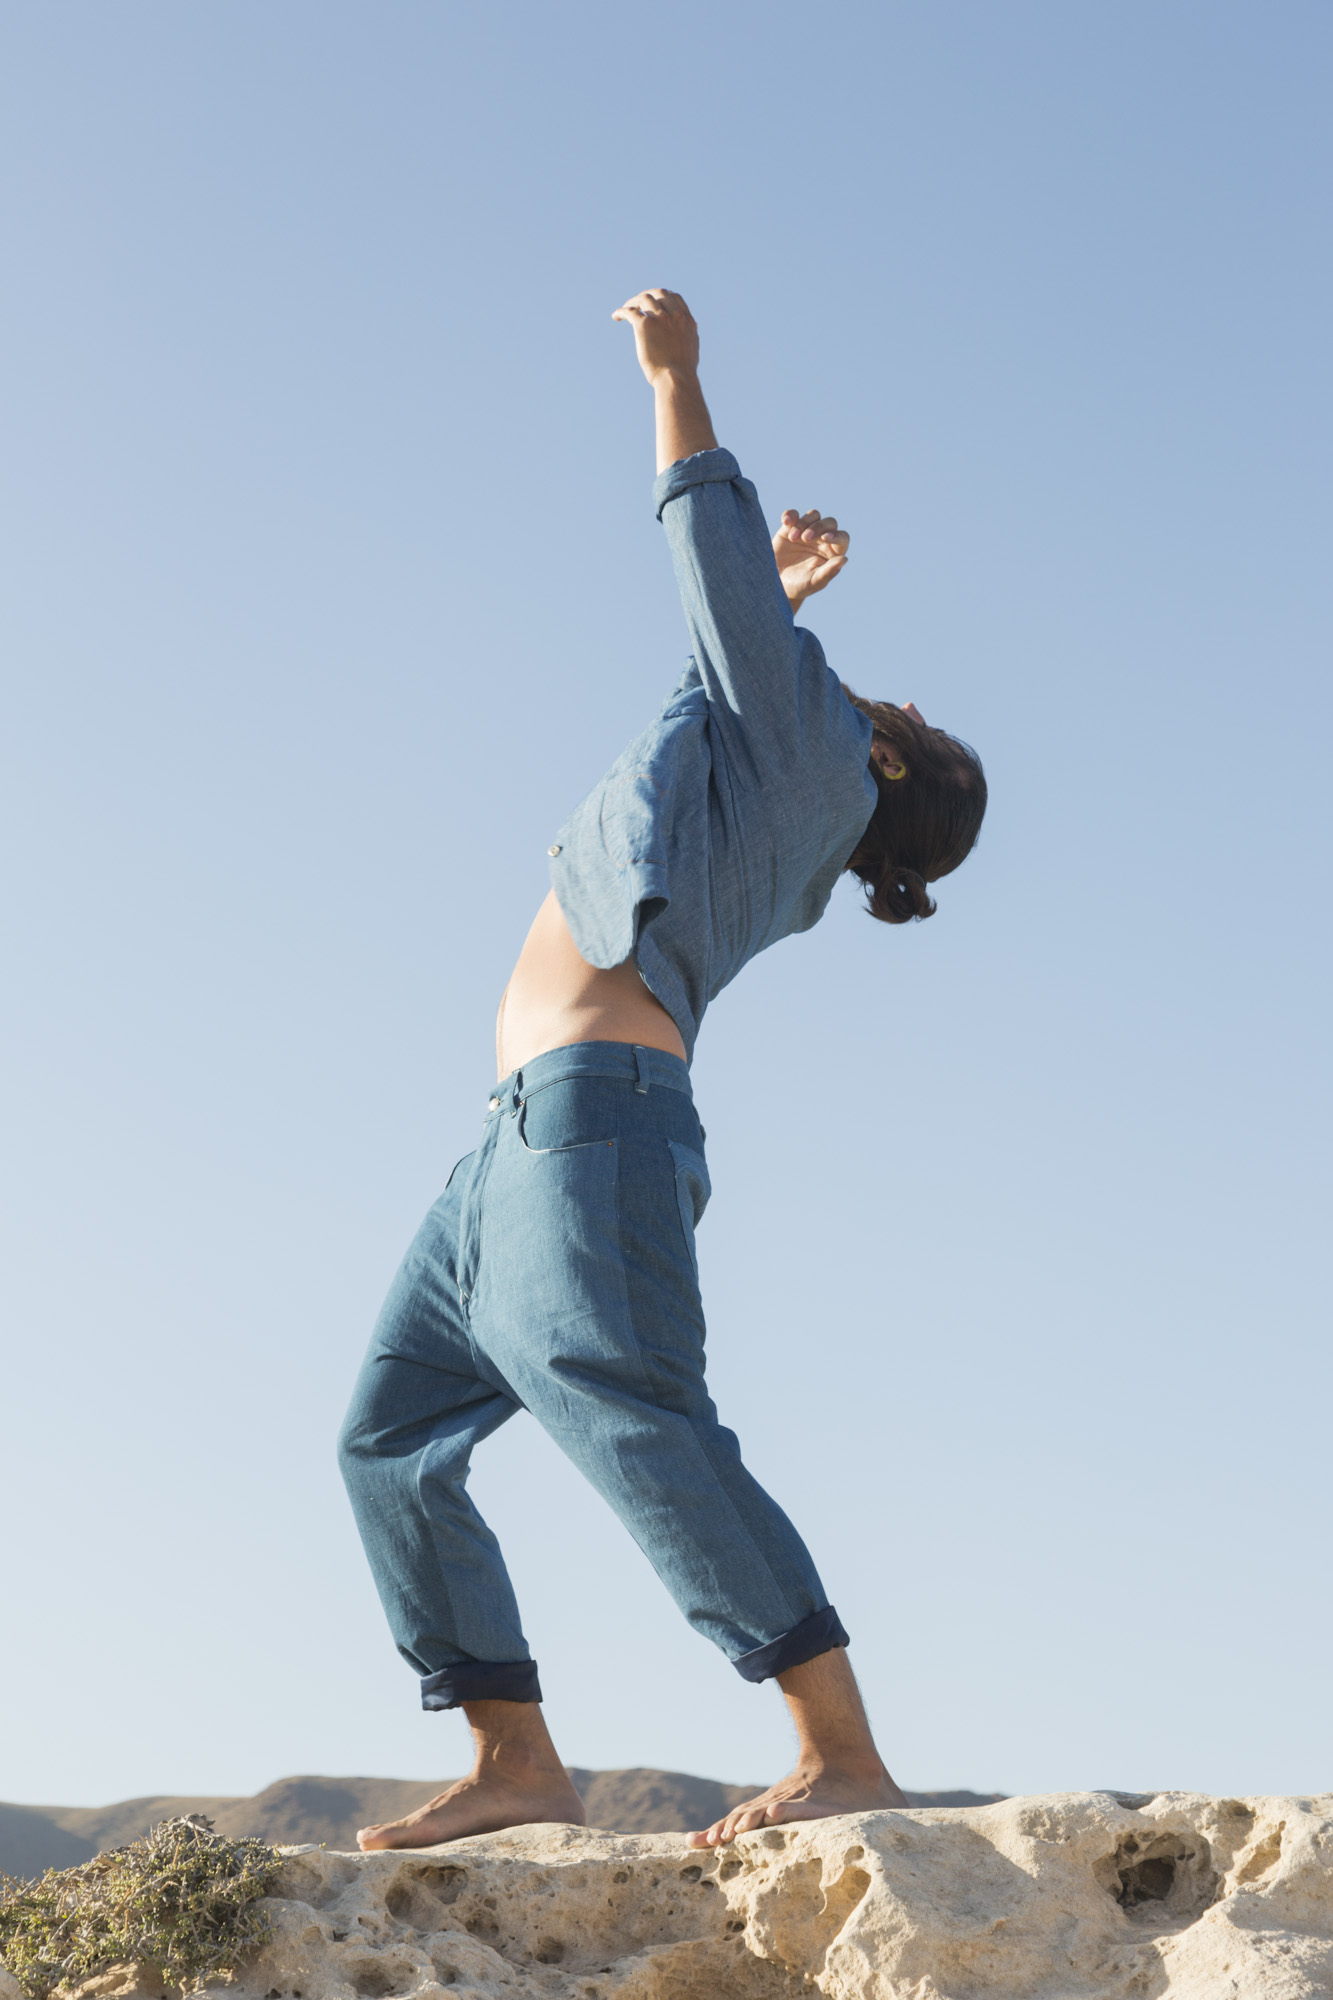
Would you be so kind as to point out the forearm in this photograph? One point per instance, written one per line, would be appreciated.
(683, 423)
(741, 633)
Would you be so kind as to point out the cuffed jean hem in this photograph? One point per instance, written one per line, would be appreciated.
(483, 1680)
(820, 1633)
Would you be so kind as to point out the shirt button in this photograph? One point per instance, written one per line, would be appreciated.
(554, 850)
(494, 1104)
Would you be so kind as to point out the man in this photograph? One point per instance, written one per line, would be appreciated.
(557, 1272)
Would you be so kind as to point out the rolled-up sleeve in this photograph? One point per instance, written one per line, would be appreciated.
(746, 645)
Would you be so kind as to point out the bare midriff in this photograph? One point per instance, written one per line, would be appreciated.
(554, 998)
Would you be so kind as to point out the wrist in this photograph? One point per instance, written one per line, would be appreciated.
(667, 379)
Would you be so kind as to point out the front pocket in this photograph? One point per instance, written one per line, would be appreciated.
(564, 1117)
(693, 1189)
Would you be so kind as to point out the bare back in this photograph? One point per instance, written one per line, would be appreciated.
(554, 998)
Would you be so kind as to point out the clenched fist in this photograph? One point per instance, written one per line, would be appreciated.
(666, 338)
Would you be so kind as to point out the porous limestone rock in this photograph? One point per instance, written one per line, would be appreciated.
(1083, 1896)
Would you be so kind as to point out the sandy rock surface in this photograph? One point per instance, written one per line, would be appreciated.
(1081, 1896)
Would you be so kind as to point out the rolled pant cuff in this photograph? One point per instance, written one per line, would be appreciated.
(481, 1680)
(817, 1634)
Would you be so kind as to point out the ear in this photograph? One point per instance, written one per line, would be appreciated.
(887, 760)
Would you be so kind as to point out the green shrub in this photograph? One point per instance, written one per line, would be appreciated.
(182, 1899)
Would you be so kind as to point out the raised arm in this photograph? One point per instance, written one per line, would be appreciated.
(766, 681)
(666, 341)
(809, 549)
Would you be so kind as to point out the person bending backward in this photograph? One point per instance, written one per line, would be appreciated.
(557, 1271)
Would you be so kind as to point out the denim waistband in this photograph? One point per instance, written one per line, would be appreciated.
(646, 1069)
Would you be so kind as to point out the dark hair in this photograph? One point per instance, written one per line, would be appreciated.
(925, 823)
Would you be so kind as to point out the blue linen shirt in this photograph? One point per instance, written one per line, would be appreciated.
(724, 826)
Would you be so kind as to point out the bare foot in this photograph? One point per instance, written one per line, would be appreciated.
(812, 1791)
(482, 1803)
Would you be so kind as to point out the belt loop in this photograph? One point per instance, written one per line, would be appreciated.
(641, 1062)
(514, 1099)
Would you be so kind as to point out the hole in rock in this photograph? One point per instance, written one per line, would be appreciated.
(621, 1875)
(731, 1866)
(1161, 1880)
(376, 1981)
(1147, 1881)
(318, 1886)
(550, 1951)
(417, 1899)
(690, 1874)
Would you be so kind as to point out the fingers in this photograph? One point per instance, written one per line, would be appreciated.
(655, 303)
(815, 530)
(826, 572)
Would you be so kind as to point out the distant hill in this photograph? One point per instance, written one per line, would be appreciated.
(329, 1810)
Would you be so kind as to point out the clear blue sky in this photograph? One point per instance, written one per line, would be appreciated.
(331, 583)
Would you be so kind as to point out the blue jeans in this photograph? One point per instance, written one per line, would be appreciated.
(557, 1274)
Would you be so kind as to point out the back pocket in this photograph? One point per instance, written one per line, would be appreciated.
(693, 1188)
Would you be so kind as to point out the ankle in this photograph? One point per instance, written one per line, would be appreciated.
(511, 1742)
(516, 1761)
(850, 1760)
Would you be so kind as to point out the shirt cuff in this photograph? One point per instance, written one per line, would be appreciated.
(698, 470)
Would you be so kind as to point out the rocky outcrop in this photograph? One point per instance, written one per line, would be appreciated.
(329, 1810)
(1086, 1896)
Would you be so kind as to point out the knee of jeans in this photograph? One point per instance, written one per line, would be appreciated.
(443, 1467)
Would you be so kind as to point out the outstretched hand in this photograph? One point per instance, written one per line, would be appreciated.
(809, 550)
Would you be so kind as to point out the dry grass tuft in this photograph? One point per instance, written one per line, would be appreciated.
(183, 1899)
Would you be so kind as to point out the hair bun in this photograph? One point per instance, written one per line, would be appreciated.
(910, 894)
